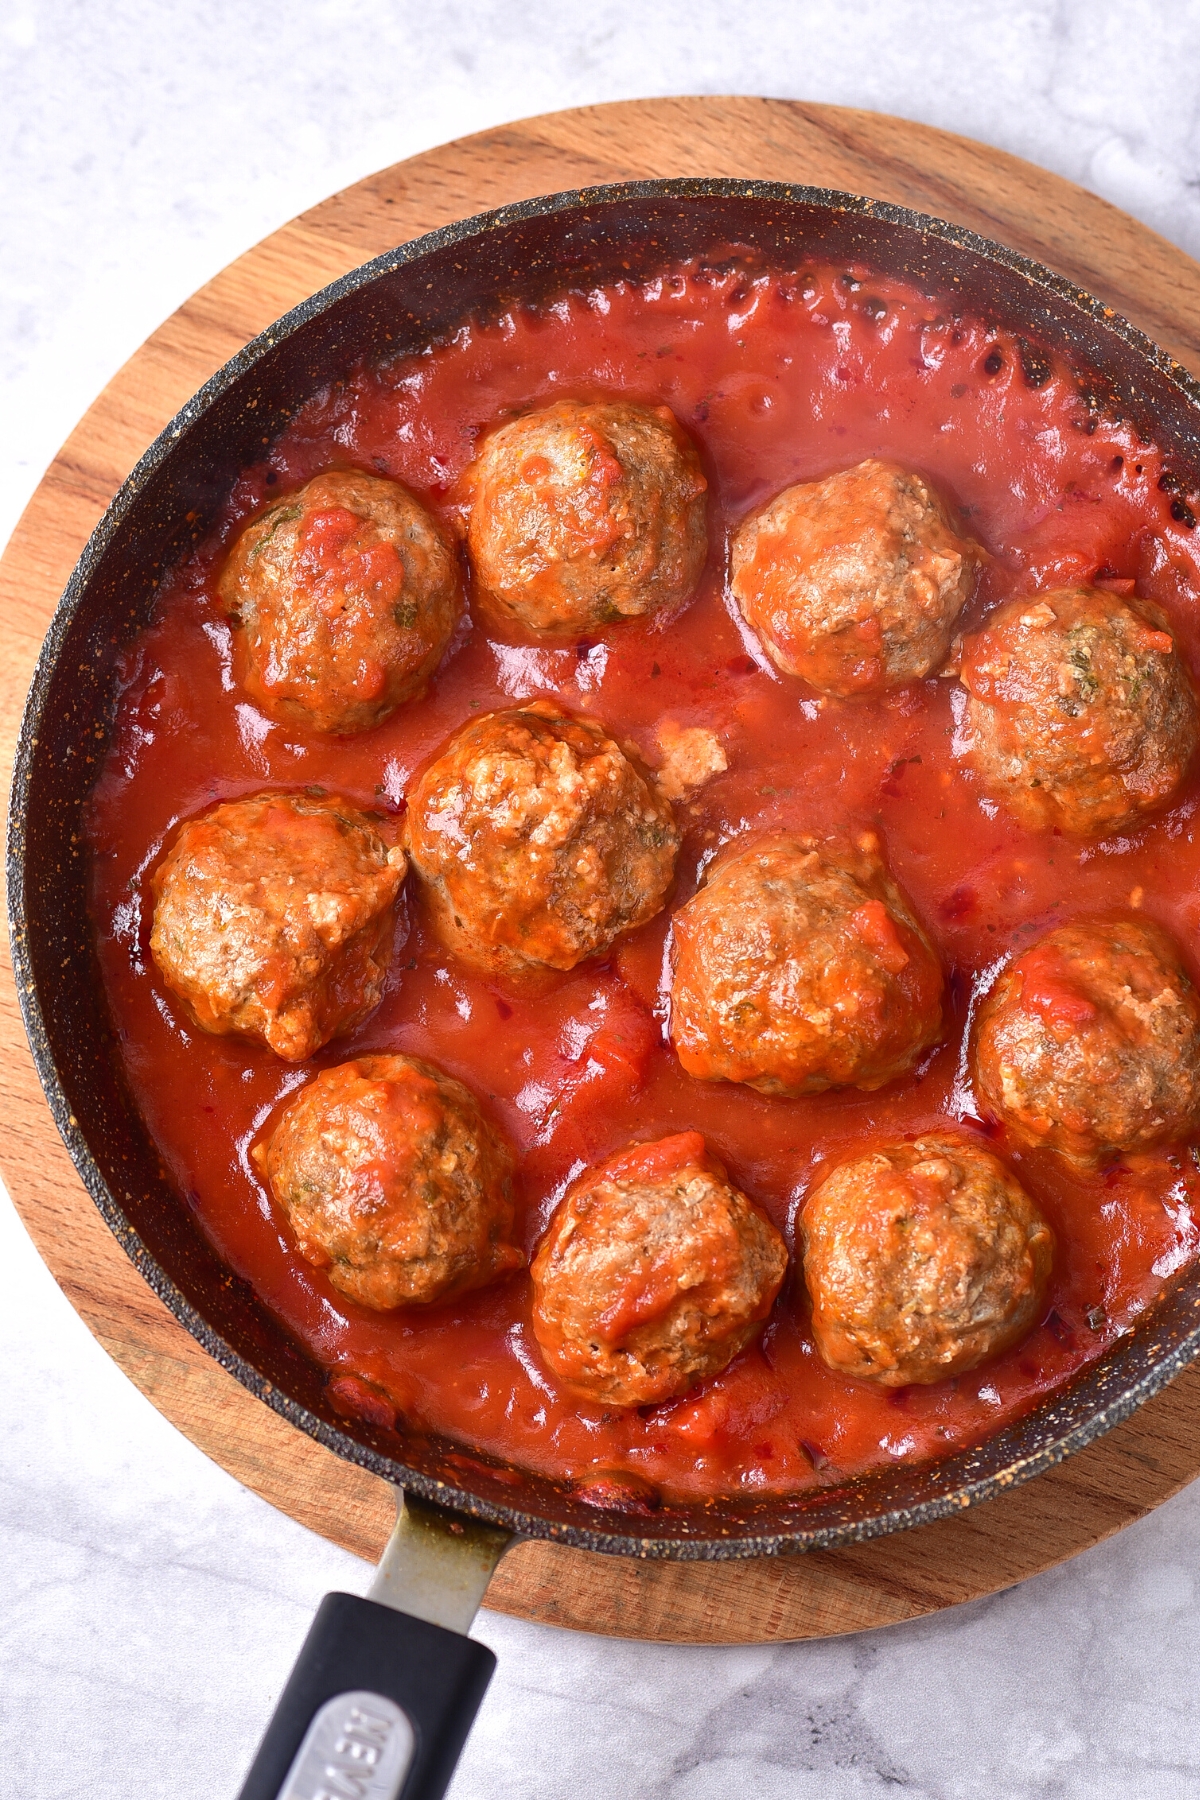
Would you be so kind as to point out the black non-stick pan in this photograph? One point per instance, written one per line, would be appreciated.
(405, 1684)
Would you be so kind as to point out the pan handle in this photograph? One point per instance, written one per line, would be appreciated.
(378, 1705)
(385, 1690)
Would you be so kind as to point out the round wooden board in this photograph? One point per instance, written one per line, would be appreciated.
(1025, 1530)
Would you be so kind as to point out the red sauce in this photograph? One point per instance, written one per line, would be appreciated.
(780, 379)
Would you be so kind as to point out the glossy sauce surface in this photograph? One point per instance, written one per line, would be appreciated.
(779, 379)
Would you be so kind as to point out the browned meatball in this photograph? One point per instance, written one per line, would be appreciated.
(1080, 711)
(537, 841)
(343, 597)
(800, 966)
(1090, 1042)
(922, 1260)
(653, 1273)
(394, 1182)
(854, 582)
(274, 917)
(585, 514)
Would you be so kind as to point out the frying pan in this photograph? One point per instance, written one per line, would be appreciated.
(385, 1689)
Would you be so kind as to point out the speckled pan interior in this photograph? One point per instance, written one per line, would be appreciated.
(394, 305)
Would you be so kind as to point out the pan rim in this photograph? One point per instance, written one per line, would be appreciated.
(967, 1492)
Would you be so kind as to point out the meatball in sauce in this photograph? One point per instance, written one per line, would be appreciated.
(1080, 711)
(854, 582)
(343, 597)
(274, 918)
(1089, 1044)
(653, 1273)
(922, 1260)
(537, 841)
(585, 514)
(800, 966)
(393, 1182)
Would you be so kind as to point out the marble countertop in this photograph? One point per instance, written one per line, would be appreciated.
(150, 1607)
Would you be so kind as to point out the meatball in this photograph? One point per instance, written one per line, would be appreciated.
(922, 1259)
(1089, 1043)
(274, 917)
(585, 514)
(653, 1273)
(854, 582)
(537, 841)
(394, 1182)
(800, 966)
(1080, 712)
(343, 597)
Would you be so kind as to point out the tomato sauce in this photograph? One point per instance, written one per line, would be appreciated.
(779, 378)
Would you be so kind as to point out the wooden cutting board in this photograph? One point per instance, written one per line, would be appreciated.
(990, 1547)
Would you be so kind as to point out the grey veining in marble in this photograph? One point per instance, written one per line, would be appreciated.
(150, 1608)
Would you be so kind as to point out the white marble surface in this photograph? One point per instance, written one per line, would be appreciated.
(150, 1608)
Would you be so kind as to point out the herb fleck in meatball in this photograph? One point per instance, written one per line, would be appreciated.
(653, 1273)
(274, 917)
(922, 1260)
(800, 966)
(1090, 1042)
(585, 514)
(537, 841)
(854, 582)
(344, 596)
(394, 1182)
(1080, 714)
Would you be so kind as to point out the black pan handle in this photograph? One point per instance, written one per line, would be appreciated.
(378, 1705)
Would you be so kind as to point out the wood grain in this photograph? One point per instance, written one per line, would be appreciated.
(1011, 1538)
